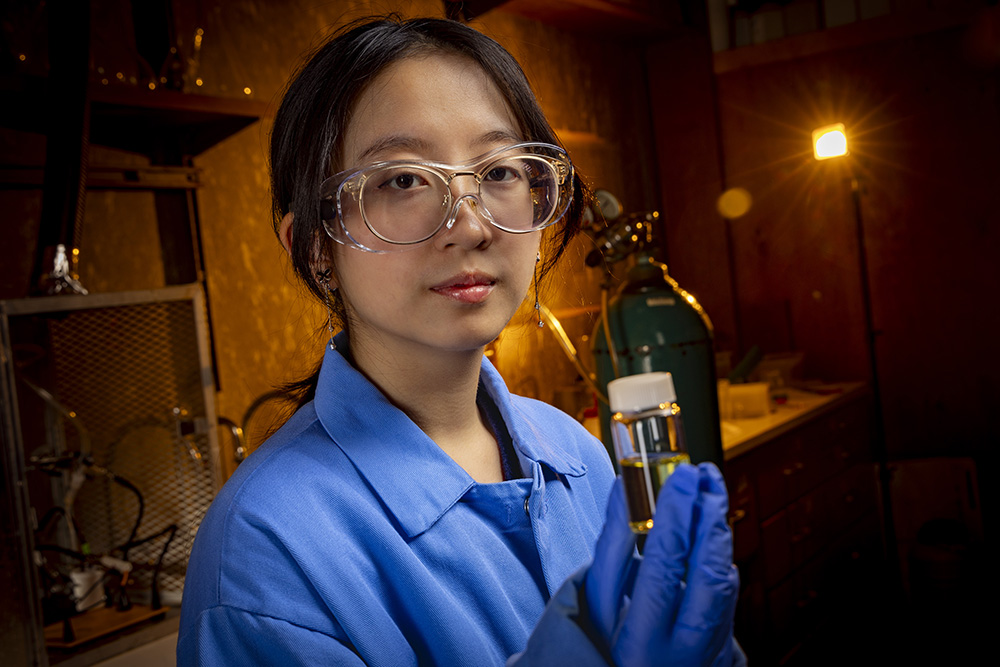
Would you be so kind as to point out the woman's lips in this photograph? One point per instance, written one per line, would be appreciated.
(467, 287)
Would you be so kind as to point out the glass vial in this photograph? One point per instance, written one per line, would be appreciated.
(648, 438)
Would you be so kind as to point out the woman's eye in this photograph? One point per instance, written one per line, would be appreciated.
(401, 181)
(404, 181)
(499, 174)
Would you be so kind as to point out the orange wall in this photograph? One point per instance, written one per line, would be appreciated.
(266, 331)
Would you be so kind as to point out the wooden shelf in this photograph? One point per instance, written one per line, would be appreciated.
(99, 623)
(126, 640)
(609, 18)
(739, 436)
(137, 119)
(850, 36)
(111, 177)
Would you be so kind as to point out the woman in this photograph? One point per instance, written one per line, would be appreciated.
(413, 511)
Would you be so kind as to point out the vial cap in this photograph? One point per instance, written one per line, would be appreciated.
(635, 393)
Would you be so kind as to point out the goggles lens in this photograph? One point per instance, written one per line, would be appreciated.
(518, 189)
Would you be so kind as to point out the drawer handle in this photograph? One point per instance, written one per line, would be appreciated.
(806, 601)
(798, 466)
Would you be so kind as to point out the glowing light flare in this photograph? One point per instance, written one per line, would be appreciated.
(734, 203)
(829, 141)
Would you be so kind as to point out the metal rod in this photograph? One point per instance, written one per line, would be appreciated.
(881, 449)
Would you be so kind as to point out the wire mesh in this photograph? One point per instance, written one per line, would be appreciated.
(134, 396)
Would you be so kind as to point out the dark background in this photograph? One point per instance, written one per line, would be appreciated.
(648, 111)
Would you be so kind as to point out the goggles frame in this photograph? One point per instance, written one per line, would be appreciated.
(351, 183)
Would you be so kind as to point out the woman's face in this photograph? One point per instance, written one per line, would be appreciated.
(457, 291)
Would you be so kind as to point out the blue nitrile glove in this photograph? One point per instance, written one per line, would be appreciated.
(608, 584)
(684, 595)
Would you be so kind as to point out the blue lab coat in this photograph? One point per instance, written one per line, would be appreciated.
(351, 538)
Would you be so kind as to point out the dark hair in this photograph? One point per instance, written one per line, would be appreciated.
(309, 128)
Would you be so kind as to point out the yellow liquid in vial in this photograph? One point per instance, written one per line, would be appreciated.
(661, 466)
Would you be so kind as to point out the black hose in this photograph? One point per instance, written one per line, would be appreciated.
(155, 588)
(154, 600)
(47, 519)
(121, 481)
(61, 550)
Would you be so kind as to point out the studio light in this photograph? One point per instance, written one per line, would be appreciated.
(829, 141)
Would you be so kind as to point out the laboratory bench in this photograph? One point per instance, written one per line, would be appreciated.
(805, 514)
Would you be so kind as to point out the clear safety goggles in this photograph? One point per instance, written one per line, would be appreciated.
(392, 206)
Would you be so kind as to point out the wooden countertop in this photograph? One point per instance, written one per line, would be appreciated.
(741, 435)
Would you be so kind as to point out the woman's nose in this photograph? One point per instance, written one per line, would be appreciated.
(469, 224)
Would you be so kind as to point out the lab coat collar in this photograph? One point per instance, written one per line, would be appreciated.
(415, 479)
(528, 439)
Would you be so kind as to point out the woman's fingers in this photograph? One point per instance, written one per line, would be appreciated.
(605, 582)
(704, 619)
(685, 594)
(659, 585)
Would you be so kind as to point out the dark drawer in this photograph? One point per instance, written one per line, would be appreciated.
(796, 463)
(743, 514)
(851, 496)
(776, 548)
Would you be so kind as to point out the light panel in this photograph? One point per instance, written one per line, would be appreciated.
(829, 141)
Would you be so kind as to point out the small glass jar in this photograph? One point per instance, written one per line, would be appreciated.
(648, 437)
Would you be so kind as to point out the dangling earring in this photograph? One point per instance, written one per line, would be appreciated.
(324, 279)
(538, 306)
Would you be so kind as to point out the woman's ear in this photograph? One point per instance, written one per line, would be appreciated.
(285, 232)
(321, 260)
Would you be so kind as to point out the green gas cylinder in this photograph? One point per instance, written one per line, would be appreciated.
(657, 326)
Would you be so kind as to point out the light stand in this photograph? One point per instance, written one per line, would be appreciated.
(830, 142)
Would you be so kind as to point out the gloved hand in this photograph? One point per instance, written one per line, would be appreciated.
(684, 594)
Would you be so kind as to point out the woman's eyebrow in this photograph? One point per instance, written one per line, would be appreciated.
(490, 139)
(393, 142)
(487, 140)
